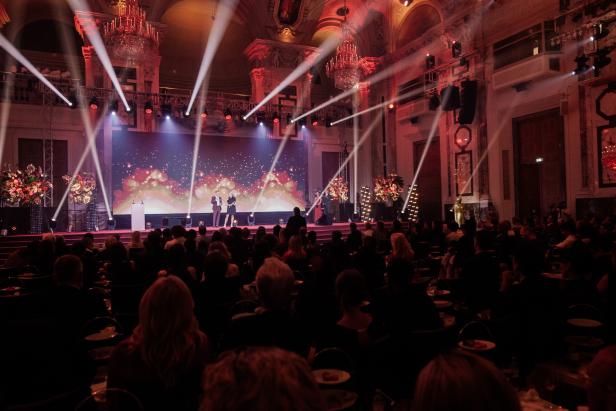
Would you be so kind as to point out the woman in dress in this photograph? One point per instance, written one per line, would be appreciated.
(231, 200)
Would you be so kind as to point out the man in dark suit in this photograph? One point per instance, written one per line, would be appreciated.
(216, 208)
(481, 275)
(295, 223)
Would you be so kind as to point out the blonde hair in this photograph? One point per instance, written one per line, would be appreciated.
(275, 282)
(167, 336)
(219, 246)
(261, 379)
(400, 247)
(463, 381)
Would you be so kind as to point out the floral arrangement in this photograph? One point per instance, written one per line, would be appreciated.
(387, 188)
(82, 187)
(25, 187)
(338, 189)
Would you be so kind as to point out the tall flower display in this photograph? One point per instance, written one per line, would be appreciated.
(338, 189)
(81, 188)
(25, 187)
(388, 188)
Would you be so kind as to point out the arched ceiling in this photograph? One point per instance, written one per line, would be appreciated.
(419, 20)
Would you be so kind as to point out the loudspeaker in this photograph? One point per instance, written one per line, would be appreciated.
(165, 222)
(450, 98)
(468, 102)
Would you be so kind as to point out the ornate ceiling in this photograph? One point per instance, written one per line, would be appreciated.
(188, 23)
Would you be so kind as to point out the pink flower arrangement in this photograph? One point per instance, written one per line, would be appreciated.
(338, 189)
(25, 187)
(388, 188)
(82, 187)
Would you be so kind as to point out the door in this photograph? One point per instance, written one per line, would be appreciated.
(539, 162)
(428, 180)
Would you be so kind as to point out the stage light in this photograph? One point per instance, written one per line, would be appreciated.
(290, 119)
(94, 103)
(302, 123)
(582, 66)
(228, 115)
(430, 61)
(204, 114)
(314, 120)
(111, 223)
(328, 122)
(167, 117)
(456, 49)
(185, 112)
(303, 126)
(72, 101)
(365, 199)
(592, 38)
(52, 224)
(165, 110)
(261, 124)
(539, 160)
(406, 3)
(391, 106)
(600, 31)
(601, 60)
(149, 108)
(412, 208)
(275, 118)
(113, 113)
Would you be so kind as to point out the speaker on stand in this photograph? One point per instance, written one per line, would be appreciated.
(468, 102)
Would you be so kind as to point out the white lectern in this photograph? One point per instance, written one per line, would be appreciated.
(137, 217)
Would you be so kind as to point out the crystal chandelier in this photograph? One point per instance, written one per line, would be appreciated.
(343, 68)
(129, 35)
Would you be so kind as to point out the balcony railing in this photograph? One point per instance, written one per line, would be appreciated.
(24, 88)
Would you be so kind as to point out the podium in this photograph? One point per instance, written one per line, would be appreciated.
(137, 217)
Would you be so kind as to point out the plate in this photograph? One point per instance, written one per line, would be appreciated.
(477, 345)
(584, 322)
(441, 304)
(102, 335)
(338, 400)
(584, 341)
(330, 376)
(442, 292)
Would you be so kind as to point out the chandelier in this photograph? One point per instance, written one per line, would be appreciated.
(343, 68)
(129, 35)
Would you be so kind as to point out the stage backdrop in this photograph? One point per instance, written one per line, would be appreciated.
(156, 168)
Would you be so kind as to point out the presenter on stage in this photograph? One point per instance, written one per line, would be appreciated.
(216, 208)
(230, 210)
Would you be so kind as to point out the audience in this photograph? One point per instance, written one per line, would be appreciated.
(368, 294)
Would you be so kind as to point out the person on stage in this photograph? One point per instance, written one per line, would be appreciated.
(216, 208)
(318, 206)
(231, 200)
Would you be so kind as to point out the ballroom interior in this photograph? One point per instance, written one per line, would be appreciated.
(528, 127)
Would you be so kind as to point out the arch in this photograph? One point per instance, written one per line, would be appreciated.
(420, 19)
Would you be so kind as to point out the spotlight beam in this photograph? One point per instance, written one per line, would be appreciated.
(325, 49)
(378, 106)
(353, 153)
(5, 112)
(85, 118)
(281, 147)
(394, 68)
(82, 159)
(9, 48)
(96, 40)
(221, 22)
(198, 130)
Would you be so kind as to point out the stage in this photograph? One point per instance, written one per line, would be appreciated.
(11, 243)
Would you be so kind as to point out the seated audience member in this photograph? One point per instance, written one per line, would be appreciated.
(163, 360)
(296, 257)
(355, 327)
(177, 264)
(135, 242)
(274, 323)
(401, 251)
(404, 307)
(567, 231)
(179, 237)
(368, 231)
(202, 240)
(354, 240)
(481, 275)
(219, 246)
(602, 379)
(295, 223)
(453, 232)
(463, 381)
(371, 264)
(261, 379)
